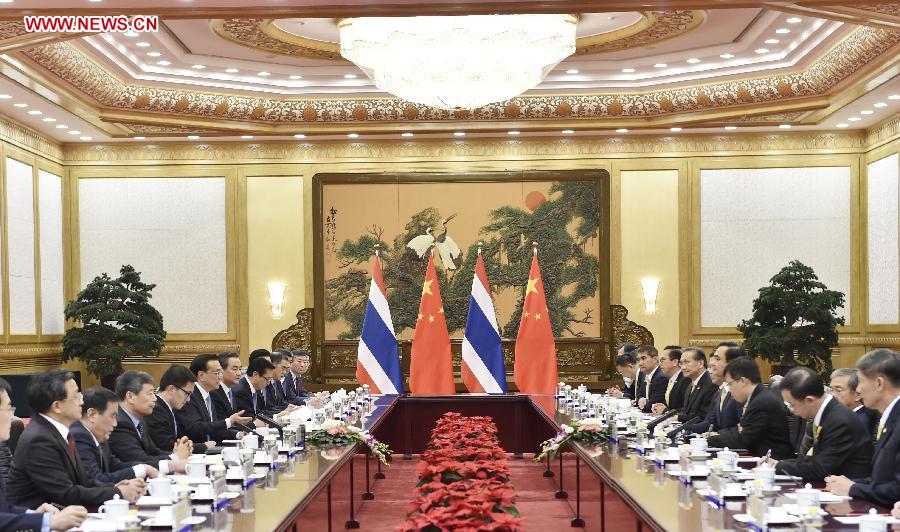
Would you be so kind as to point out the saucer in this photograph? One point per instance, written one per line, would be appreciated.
(192, 520)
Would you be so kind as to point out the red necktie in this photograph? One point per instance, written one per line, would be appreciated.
(298, 383)
(71, 444)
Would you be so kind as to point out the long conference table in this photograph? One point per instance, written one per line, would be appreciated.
(609, 487)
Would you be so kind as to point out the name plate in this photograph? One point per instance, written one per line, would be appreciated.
(756, 507)
(181, 511)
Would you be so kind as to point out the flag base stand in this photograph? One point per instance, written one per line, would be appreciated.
(578, 523)
(518, 456)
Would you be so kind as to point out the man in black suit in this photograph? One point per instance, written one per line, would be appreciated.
(19, 518)
(293, 379)
(275, 396)
(130, 439)
(844, 383)
(763, 424)
(652, 389)
(879, 384)
(46, 467)
(282, 383)
(723, 412)
(247, 392)
(840, 445)
(91, 432)
(699, 388)
(201, 416)
(175, 389)
(670, 364)
(626, 366)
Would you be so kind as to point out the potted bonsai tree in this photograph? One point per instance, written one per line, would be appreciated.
(794, 321)
(117, 320)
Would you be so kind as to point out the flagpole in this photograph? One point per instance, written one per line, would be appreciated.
(480, 243)
(377, 250)
(534, 245)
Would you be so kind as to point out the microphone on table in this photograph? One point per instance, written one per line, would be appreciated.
(671, 435)
(245, 428)
(272, 423)
(664, 416)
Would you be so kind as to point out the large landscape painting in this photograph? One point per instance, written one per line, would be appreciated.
(404, 220)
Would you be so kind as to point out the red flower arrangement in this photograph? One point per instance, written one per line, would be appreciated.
(463, 480)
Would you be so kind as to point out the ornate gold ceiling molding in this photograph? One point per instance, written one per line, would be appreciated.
(884, 132)
(789, 91)
(474, 149)
(29, 139)
(152, 129)
(263, 34)
(14, 36)
(664, 25)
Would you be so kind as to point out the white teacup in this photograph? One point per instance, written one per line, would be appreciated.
(196, 468)
(698, 445)
(808, 496)
(203, 491)
(250, 441)
(728, 459)
(160, 487)
(231, 454)
(765, 475)
(116, 508)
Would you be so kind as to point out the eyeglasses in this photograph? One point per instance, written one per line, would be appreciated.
(217, 373)
(183, 390)
(11, 409)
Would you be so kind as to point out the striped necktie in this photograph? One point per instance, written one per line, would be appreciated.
(669, 389)
(880, 430)
(722, 395)
(815, 437)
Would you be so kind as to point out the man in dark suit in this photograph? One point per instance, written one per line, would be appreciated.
(201, 416)
(19, 518)
(626, 366)
(670, 364)
(283, 385)
(844, 383)
(130, 439)
(46, 467)
(763, 424)
(175, 389)
(879, 384)
(723, 412)
(91, 432)
(275, 396)
(839, 446)
(248, 391)
(652, 389)
(293, 379)
(697, 393)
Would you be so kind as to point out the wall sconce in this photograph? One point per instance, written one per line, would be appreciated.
(276, 298)
(650, 287)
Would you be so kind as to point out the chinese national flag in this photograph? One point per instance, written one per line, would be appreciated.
(431, 367)
(535, 366)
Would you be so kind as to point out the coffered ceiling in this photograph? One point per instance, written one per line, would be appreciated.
(221, 69)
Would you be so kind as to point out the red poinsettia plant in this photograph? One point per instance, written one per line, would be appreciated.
(463, 480)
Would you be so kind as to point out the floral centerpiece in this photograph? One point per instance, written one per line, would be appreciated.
(336, 433)
(589, 431)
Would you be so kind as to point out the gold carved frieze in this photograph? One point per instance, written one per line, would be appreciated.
(298, 335)
(342, 357)
(30, 139)
(663, 25)
(262, 34)
(855, 51)
(883, 132)
(625, 330)
(575, 355)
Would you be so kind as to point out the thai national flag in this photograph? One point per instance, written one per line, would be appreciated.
(377, 360)
(482, 354)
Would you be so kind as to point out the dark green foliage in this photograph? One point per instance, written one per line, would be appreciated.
(795, 314)
(116, 319)
(569, 273)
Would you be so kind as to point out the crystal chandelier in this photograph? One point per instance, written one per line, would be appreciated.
(458, 61)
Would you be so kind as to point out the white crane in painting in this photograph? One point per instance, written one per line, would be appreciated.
(446, 247)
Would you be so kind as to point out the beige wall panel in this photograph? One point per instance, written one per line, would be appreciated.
(883, 242)
(51, 244)
(20, 234)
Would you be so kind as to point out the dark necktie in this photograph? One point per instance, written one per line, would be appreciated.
(298, 382)
(209, 406)
(100, 454)
(140, 432)
(807, 442)
(231, 398)
(70, 443)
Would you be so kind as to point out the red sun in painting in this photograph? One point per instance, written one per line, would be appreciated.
(534, 199)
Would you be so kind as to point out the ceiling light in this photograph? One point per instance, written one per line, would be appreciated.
(246, 136)
(232, 70)
(622, 130)
(459, 133)
(567, 131)
(20, 105)
(406, 134)
(512, 132)
(675, 129)
(761, 50)
(772, 41)
(628, 70)
(299, 136)
(730, 128)
(85, 138)
(74, 132)
(198, 67)
(5, 96)
(793, 20)
(350, 76)
(62, 126)
(573, 71)
(130, 34)
(660, 65)
(139, 138)
(143, 44)
(353, 135)
(296, 76)
(36, 112)
(782, 31)
(854, 119)
(894, 97)
(194, 137)
(452, 61)
(865, 112)
(693, 60)
(164, 63)
(880, 105)
(726, 56)
(154, 54)
(48, 119)
(784, 126)
(263, 74)
(843, 124)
